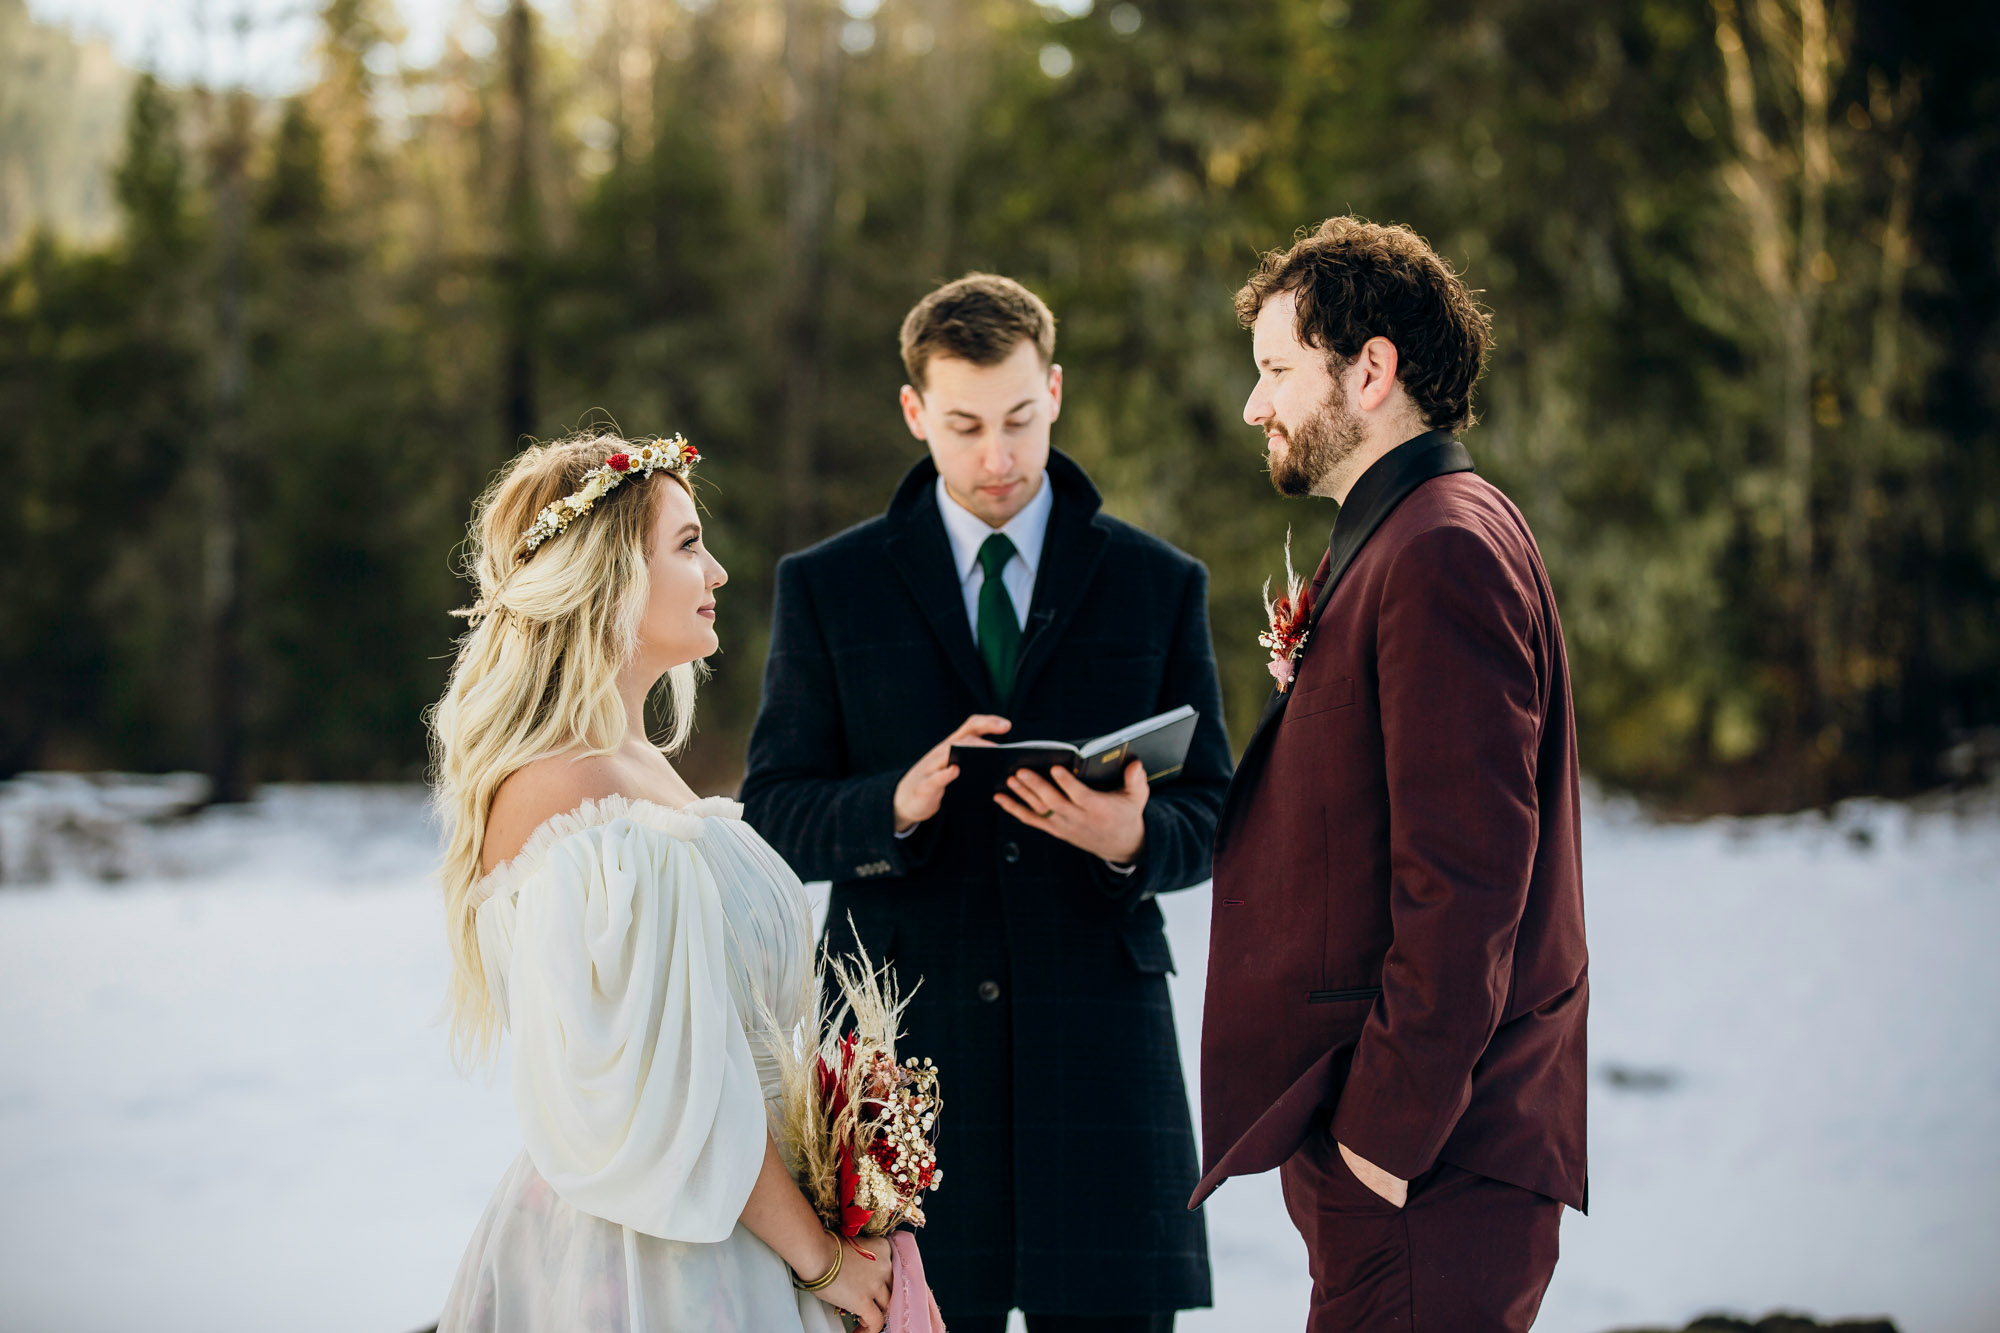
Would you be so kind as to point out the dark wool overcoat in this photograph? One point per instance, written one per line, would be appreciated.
(1065, 1140)
(1397, 940)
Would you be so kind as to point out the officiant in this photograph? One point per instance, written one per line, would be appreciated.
(995, 600)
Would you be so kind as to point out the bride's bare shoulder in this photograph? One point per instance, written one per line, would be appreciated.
(532, 795)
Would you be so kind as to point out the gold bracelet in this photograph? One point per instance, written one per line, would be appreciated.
(825, 1279)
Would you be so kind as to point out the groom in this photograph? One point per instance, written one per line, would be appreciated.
(994, 599)
(1397, 976)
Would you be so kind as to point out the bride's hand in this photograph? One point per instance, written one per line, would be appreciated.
(862, 1289)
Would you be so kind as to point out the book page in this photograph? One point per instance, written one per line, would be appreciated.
(1112, 740)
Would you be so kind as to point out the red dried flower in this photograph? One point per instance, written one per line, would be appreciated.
(618, 462)
(833, 1082)
(1291, 623)
(852, 1219)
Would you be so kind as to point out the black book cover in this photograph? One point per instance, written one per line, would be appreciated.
(1159, 742)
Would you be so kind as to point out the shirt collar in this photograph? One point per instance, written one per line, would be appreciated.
(967, 531)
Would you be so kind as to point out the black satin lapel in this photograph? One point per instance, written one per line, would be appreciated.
(1412, 464)
(922, 555)
(1070, 553)
(1412, 469)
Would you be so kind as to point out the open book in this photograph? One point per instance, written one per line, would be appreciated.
(1159, 742)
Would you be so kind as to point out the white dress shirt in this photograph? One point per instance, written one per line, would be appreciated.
(967, 532)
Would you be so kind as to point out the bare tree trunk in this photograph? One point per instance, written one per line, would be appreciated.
(1788, 256)
(520, 264)
(1854, 614)
(222, 516)
(1815, 269)
(637, 42)
(949, 92)
(1785, 192)
(812, 77)
(1885, 363)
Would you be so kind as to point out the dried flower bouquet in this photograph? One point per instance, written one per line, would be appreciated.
(860, 1129)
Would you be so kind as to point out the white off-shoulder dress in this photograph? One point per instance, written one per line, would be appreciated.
(644, 960)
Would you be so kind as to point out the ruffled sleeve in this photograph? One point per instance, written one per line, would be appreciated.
(633, 1079)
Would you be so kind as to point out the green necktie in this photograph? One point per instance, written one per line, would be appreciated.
(999, 627)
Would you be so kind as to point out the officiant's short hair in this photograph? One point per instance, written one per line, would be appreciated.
(1354, 280)
(981, 318)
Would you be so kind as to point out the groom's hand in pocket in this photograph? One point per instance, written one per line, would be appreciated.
(1393, 1189)
(921, 790)
(1107, 824)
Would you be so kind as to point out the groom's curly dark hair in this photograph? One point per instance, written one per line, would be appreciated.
(1354, 280)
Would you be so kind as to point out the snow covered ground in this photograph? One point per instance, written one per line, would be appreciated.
(225, 1103)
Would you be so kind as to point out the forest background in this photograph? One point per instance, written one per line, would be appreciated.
(258, 353)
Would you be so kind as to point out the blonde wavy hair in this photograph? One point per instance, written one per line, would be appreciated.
(536, 672)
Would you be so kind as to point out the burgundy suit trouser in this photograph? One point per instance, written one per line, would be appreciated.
(1466, 1254)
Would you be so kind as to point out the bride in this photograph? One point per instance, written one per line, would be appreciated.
(643, 946)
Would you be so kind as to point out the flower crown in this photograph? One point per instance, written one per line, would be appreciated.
(676, 456)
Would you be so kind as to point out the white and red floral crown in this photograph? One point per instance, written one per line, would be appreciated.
(675, 455)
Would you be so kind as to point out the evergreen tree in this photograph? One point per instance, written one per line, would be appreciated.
(1739, 258)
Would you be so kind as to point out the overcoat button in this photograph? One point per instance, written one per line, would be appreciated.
(989, 991)
(1010, 852)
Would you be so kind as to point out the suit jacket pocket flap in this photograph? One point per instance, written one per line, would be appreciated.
(1323, 697)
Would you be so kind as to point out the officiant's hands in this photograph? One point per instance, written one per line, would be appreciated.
(1107, 824)
(921, 791)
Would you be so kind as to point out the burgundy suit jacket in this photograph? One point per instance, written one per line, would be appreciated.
(1397, 940)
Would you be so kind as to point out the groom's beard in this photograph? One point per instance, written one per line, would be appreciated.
(1317, 445)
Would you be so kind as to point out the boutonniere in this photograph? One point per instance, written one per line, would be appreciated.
(1291, 616)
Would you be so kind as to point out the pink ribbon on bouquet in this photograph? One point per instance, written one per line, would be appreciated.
(912, 1308)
